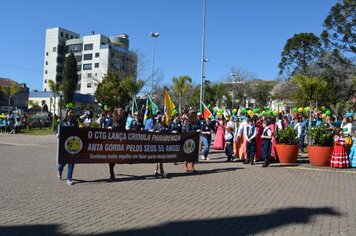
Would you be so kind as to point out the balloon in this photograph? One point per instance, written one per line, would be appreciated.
(255, 110)
(295, 109)
(209, 105)
(300, 109)
(221, 111)
(268, 107)
(275, 113)
(264, 112)
(323, 108)
(261, 114)
(234, 111)
(243, 110)
(307, 109)
(269, 113)
(328, 112)
(218, 114)
(250, 113)
(323, 116)
(215, 109)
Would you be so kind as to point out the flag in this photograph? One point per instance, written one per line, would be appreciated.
(151, 108)
(134, 105)
(168, 106)
(205, 110)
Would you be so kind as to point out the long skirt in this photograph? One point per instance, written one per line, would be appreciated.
(240, 151)
(339, 158)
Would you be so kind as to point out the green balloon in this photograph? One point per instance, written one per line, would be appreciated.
(269, 113)
(295, 109)
(215, 109)
(261, 114)
(255, 110)
(328, 112)
(243, 110)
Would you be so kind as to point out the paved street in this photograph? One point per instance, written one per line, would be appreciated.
(222, 199)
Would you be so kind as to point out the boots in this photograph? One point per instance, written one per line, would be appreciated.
(266, 163)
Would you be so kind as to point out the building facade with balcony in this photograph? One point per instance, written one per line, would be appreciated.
(96, 54)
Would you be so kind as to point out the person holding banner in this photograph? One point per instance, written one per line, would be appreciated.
(118, 122)
(192, 125)
(69, 121)
(206, 138)
(160, 127)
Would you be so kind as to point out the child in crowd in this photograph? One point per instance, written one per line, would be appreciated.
(266, 143)
(250, 133)
(229, 139)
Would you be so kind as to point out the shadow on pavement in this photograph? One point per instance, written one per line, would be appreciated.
(152, 177)
(239, 225)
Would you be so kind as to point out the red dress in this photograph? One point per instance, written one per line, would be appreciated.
(219, 142)
(339, 158)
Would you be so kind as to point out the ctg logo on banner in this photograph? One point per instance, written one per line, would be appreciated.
(73, 145)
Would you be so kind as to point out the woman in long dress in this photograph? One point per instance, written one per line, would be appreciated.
(219, 142)
(240, 140)
(272, 127)
(352, 155)
(258, 124)
(339, 158)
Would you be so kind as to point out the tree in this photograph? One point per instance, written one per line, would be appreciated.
(339, 73)
(180, 87)
(340, 26)
(221, 92)
(70, 78)
(10, 92)
(309, 89)
(299, 52)
(260, 90)
(54, 87)
(115, 91)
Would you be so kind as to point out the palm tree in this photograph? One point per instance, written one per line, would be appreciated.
(180, 87)
(54, 87)
(10, 92)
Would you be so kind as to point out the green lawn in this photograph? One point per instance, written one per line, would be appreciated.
(37, 131)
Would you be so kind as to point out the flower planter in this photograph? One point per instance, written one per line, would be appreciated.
(319, 156)
(286, 154)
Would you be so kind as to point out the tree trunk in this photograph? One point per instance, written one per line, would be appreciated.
(8, 109)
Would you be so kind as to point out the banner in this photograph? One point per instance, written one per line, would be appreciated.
(88, 145)
(151, 109)
(205, 110)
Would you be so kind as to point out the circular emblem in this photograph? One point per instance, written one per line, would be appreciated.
(189, 146)
(73, 145)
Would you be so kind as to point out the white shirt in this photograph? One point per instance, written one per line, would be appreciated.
(348, 126)
(250, 128)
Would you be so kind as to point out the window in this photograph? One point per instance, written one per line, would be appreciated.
(45, 89)
(97, 54)
(88, 57)
(61, 34)
(88, 46)
(96, 74)
(46, 72)
(96, 65)
(88, 85)
(66, 36)
(71, 37)
(46, 53)
(86, 66)
(89, 75)
(46, 63)
(54, 49)
(45, 81)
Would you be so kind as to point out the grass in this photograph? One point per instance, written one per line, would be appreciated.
(37, 131)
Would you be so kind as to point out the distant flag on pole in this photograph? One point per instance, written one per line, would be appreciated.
(205, 110)
(134, 107)
(151, 108)
(168, 106)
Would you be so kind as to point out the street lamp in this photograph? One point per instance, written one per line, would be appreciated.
(154, 35)
(203, 59)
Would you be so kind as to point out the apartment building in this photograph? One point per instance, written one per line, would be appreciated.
(96, 54)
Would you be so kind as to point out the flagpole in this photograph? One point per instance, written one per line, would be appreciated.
(203, 60)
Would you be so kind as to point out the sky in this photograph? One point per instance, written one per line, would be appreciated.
(247, 35)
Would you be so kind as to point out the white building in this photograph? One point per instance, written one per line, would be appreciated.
(96, 54)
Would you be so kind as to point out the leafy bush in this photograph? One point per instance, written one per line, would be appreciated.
(321, 136)
(287, 136)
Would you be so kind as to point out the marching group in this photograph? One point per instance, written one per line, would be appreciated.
(242, 137)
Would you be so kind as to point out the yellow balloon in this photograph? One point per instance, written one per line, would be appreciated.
(323, 116)
(250, 113)
(268, 107)
(264, 112)
(300, 109)
(323, 108)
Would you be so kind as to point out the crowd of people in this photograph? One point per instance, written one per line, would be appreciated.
(242, 137)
